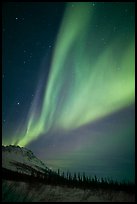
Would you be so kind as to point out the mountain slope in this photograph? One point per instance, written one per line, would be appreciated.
(27, 179)
(21, 160)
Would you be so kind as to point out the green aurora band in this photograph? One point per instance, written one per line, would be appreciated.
(81, 89)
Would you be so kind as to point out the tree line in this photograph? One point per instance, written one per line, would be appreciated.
(68, 179)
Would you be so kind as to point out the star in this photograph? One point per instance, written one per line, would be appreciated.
(65, 62)
(30, 56)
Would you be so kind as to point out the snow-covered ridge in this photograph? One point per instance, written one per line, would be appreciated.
(12, 156)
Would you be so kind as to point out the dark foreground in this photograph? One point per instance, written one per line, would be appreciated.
(53, 187)
(15, 191)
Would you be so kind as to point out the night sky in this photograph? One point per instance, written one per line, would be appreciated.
(68, 84)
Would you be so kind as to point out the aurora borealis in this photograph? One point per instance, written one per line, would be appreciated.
(81, 115)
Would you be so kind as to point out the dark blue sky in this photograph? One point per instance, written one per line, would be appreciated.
(29, 34)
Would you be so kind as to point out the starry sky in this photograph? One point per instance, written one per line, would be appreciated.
(68, 83)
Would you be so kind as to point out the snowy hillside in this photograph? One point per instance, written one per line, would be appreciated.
(18, 186)
(13, 191)
(21, 159)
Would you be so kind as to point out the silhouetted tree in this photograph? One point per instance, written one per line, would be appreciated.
(58, 172)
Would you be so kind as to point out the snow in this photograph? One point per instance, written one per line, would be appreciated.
(30, 192)
(13, 191)
(11, 155)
